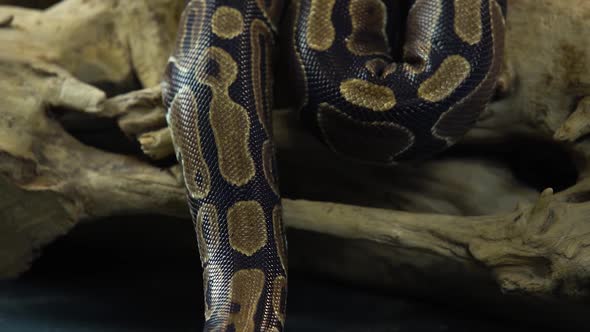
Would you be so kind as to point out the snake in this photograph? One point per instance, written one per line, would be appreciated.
(353, 93)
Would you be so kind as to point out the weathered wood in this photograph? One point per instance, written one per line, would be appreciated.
(50, 180)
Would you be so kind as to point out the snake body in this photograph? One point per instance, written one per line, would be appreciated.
(358, 99)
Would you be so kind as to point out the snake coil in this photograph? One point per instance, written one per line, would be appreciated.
(353, 95)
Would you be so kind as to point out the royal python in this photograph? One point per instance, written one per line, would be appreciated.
(353, 95)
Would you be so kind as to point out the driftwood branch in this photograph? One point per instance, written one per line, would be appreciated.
(539, 249)
(467, 219)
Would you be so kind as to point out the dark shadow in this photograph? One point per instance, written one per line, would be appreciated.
(142, 274)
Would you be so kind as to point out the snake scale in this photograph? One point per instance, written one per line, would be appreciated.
(352, 94)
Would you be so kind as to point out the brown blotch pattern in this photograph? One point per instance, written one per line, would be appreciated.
(229, 120)
(190, 33)
(368, 95)
(380, 68)
(227, 22)
(184, 125)
(448, 77)
(207, 231)
(278, 292)
(279, 233)
(422, 18)
(320, 32)
(208, 309)
(246, 289)
(468, 20)
(272, 11)
(369, 20)
(267, 165)
(246, 227)
(276, 315)
(216, 290)
(390, 69)
(379, 142)
(453, 123)
(262, 94)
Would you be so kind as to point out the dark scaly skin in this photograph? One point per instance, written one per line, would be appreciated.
(210, 81)
(409, 129)
(359, 100)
